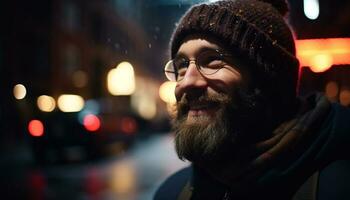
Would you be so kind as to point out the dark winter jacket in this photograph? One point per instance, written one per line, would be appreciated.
(327, 153)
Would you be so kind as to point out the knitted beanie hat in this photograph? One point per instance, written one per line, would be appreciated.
(253, 28)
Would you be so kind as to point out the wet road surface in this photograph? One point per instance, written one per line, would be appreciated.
(134, 175)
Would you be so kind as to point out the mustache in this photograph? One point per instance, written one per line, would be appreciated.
(205, 99)
(244, 104)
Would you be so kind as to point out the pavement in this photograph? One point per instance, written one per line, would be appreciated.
(133, 175)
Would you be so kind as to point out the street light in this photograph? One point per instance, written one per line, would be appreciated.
(321, 54)
(36, 128)
(70, 103)
(121, 80)
(46, 103)
(167, 92)
(311, 9)
(19, 91)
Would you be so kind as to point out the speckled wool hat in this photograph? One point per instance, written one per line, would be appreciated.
(253, 28)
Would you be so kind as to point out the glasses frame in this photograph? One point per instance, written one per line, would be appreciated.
(173, 75)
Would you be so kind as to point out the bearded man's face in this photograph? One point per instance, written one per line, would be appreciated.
(214, 111)
(203, 137)
(234, 121)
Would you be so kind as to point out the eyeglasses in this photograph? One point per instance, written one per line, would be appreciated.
(207, 62)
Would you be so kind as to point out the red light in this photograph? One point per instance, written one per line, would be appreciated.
(91, 122)
(36, 128)
(128, 125)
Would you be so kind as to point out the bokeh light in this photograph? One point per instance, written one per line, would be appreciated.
(91, 122)
(19, 91)
(321, 54)
(46, 103)
(121, 80)
(36, 128)
(70, 103)
(331, 90)
(167, 92)
(91, 106)
(321, 63)
(123, 178)
(344, 97)
(144, 101)
(147, 108)
(311, 9)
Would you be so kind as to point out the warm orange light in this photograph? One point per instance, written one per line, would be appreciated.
(321, 62)
(144, 101)
(167, 92)
(123, 178)
(331, 90)
(46, 103)
(36, 128)
(19, 91)
(121, 80)
(321, 54)
(344, 97)
(70, 103)
(91, 122)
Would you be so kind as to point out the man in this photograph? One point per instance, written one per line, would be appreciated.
(238, 119)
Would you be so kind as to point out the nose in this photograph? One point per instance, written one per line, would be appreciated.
(193, 82)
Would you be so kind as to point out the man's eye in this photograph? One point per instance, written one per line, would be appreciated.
(212, 62)
(180, 63)
(181, 71)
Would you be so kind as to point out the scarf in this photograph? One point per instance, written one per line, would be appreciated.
(290, 135)
(288, 138)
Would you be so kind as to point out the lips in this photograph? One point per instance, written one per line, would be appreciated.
(196, 108)
(202, 109)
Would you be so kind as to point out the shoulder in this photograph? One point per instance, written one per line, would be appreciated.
(334, 181)
(173, 185)
(332, 141)
(339, 126)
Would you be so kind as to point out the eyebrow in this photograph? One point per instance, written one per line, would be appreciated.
(200, 50)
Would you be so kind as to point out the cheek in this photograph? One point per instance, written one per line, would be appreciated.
(227, 82)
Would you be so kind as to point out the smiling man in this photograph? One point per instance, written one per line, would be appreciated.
(238, 118)
(203, 105)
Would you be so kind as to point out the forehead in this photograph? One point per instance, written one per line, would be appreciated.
(193, 44)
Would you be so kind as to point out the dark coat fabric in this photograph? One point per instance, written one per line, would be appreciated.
(327, 152)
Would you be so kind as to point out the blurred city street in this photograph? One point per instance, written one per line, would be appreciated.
(85, 104)
(134, 175)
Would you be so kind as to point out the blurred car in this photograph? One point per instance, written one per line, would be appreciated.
(61, 137)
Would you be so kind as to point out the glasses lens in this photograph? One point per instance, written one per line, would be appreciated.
(169, 70)
(210, 62)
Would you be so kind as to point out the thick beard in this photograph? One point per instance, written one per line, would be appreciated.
(200, 140)
(213, 139)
